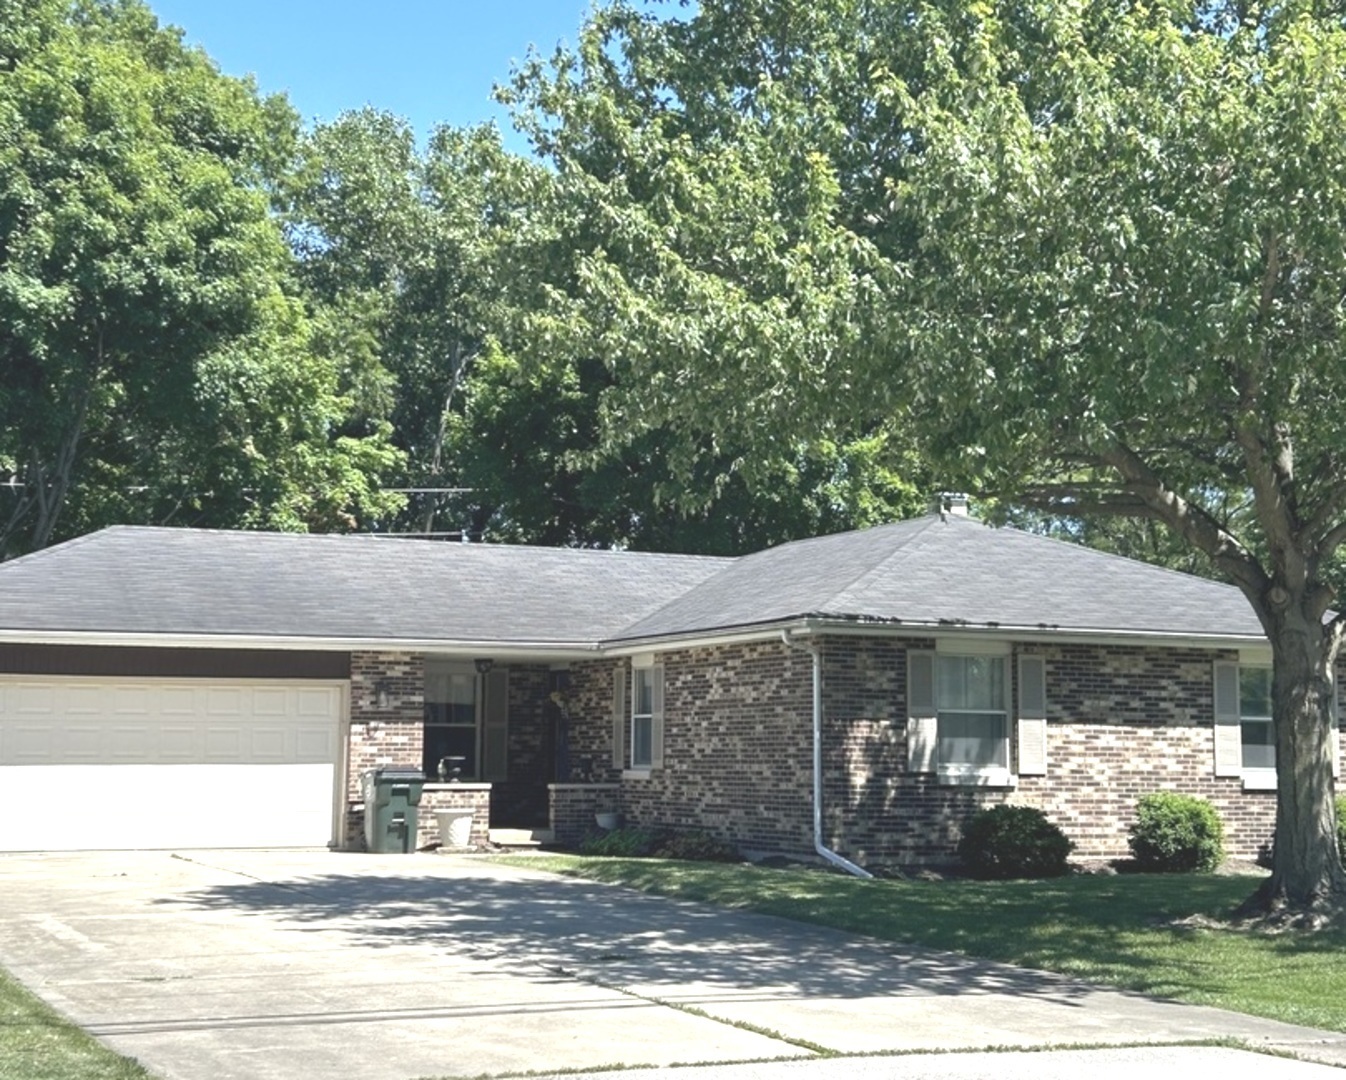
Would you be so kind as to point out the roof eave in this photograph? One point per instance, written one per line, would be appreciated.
(849, 626)
(494, 648)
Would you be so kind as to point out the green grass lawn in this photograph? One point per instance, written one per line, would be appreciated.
(1115, 930)
(37, 1044)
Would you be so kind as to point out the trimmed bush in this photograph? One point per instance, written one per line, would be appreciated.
(627, 843)
(696, 847)
(1341, 827)
(1014, 842)
(1175, 834)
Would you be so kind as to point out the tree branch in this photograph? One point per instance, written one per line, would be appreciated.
(1189, 520)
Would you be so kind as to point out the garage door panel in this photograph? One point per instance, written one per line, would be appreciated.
(129, 701)
(315, 702)
(224, 745)
(179, 743)
(126, 764)
(131, 743)
(27, 744)
(225, 702)
(32, 700)
(315, 743)
(268, 743)
(83, 742)
(267, 702)
(178, 701)
(84, 701)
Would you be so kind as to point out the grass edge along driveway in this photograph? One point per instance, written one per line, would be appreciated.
(1154, 934)
(37, 1043)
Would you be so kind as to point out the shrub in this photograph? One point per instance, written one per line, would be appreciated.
(1176, 834)
(697, 847)
(625, 843)
(1013, 842)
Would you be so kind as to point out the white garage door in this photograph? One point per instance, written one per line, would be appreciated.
(119, 763)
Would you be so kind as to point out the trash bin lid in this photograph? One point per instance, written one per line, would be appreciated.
(402, 773)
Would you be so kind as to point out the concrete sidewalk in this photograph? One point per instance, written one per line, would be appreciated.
(289, 965)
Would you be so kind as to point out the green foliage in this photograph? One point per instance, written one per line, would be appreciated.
(633, 842)
(629, 842)
(1176, 833)
(695, 847)
(157, 368)
(1013, 842)
(1087, 258)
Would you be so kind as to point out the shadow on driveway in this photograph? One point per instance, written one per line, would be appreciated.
(614, 935)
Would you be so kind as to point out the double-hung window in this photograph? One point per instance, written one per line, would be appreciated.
(1257, 735)
(638, 716)
(958, 707)
(642, 718)
(959, 723)
(973, 722)
(1245, 734)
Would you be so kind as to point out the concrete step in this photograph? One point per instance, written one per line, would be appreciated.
(521, 838)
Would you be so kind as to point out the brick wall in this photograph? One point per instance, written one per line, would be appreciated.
(589, 700)
(474, 797)
(573, 806)
(735, 738)
(1122, 721)
(382, 735)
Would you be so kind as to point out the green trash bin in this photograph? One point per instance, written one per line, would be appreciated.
(392, 795)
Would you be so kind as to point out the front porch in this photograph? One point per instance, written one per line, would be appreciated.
(508, 738)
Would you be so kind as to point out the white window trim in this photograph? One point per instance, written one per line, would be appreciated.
(963, 775)
(639, 768)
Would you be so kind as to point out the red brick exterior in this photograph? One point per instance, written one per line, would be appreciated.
(574, 808)
(474, 797)
(1122, 721)
(388, 735)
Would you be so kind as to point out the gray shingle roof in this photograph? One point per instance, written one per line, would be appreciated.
(132, 580)
(920, 573)
(955, 572)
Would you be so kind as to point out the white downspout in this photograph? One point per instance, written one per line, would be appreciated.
(818, 845)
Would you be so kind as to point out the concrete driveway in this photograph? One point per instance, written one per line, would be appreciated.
(286, 965)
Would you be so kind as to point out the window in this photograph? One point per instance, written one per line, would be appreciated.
(466, 721)
(958, 715)
(970, 698)
(1245, 736)
(450, 723)
(638, 716)
(1258, 735)
(642, 717)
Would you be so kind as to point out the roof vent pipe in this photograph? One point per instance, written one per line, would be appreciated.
(818, 845)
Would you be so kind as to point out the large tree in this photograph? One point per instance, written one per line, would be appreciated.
(428, 270)
(1092, 254)
(155, 366)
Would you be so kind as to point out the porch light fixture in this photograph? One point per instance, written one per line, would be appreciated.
(383, 694)
(484, 665)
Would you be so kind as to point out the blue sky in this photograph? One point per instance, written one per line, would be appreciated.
(430, 61)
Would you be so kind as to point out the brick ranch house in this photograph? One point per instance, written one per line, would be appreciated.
(180, 688)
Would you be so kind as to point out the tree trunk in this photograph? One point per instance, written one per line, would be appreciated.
(1307, 882)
